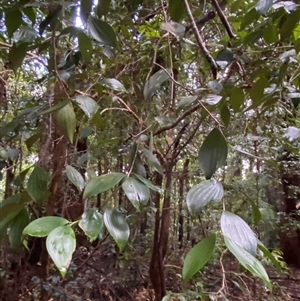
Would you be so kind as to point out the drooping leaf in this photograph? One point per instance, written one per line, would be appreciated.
(237, 98)
(13, 20)
(102, 32)
(154, 82)
(17, 54)
(51, 19)
(149, 184)
(85, 46)
(85, 9)
(61, 244)
(102, 8)
(238, 231)
(198, 256)
(117, 227)
(42, 227)
(102, 183)
(37, 184)
(186, 101)
(176, 9)
(113, 84)
(289, 24)
(87, 104)
(16, 229)
(75, 177)
(212, 153)
(212, 99)
(262, 6)
(225, 115)
(248, 261)
(153, 161)
(91, 223)
(137, 193)
(66, 121)
(56, 107)
(175, 28)
(200, 195)
(269, 255)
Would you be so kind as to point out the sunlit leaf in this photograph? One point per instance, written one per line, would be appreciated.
(41, 227)
(198, 256)
(117, 227)
(91, 223)
(102, 183)
(61, 244)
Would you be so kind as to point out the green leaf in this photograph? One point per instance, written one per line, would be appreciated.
(102, 32)
(154, 82)
(66, 121)
(270, 34)
(42, 227)
(238, 231)
(186, 101)
(269, 255)
(248, 261)
(153, 161)
(225, 115)
(91, 223)
(16, 229)
(225, 55)
(56, 107)
(85, 46)
(237, 98)
(51, 19)
(200, 195)
(13, 20)
(61, 244)
(262, 6)
(75, 177)
(85, 9)
(117, 227)
(37, 184)
(88, 105)
(149, 184)
(212, 153)
(102, 8)
(176, 29)
(137, 193)
(176, 10)
(102, 183)
(113, 84)
(287, 27)
(251, 16)
(198, 256)
(16, 55)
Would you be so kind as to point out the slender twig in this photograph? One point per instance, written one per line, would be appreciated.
(200, 42)
(223, 18)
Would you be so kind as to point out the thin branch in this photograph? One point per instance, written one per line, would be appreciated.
(223, 18)
(201, 44)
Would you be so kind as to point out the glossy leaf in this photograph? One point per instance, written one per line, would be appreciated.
(102, 32)
(248, 261)
(238, 231)
(212, 153)
(200, 195)
(198, 256)
(113, 84)
(117, 227)
(154, 82)
(137, 193)
(16, 228)
(153, 161)
(66, 120)
(41, 227)
(88, 105)
(37, 184)
(102, 183)
(61, 244)
(75, 177)
(91, 223)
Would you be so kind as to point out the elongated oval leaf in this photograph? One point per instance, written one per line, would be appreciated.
(117, 227)
(198, 256)
(37, 184)
(102, 183)
(113, 84)
(154, 82)
(176, 9)
(61, 244)
(149, 184)
(212, 153)
(200, 195)
(101, 32)
(186, 101)
(66, 120)
(248, 261)
(41, 227)
(91, 223)
(153, 161)
(238, 231)
(17, 54)
(56, 107)
(137, 193)
(75, 177)
(87, 105)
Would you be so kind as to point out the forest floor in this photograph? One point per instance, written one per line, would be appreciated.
(101, 275)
